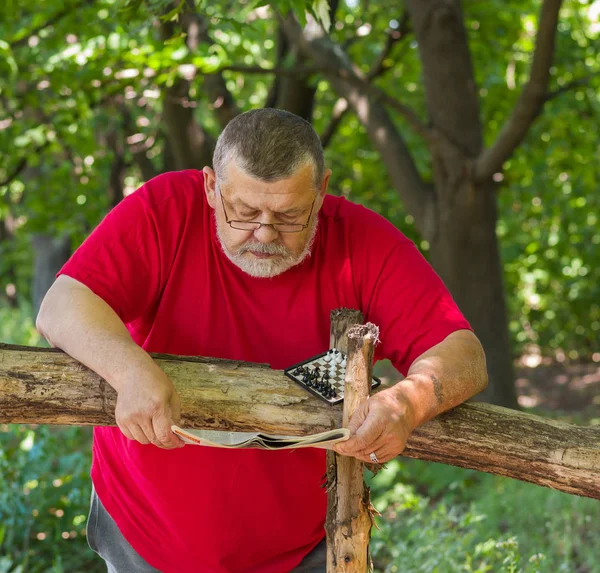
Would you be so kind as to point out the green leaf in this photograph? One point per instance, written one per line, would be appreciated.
(299, 7)
(172, 14)
(7, 55)
(321, 9)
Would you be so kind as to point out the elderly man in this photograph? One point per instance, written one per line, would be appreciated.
(244, 262)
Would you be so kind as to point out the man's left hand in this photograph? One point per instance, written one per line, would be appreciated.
(381, 425)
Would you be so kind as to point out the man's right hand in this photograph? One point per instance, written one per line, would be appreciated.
(74, 318)
(147, 406)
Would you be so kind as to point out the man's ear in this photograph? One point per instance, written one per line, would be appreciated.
(324, 184)
(210, 180)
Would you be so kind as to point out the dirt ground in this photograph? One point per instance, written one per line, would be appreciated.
(569, 390)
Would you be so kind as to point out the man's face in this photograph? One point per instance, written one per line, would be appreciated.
(240, 197)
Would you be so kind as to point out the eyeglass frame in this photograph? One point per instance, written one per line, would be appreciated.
(260, 225)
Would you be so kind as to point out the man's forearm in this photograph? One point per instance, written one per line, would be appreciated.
(75, 320)
(444, 376)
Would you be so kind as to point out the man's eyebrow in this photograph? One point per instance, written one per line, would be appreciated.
(240, 203)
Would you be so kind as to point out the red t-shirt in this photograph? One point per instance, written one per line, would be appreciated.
(156, 260)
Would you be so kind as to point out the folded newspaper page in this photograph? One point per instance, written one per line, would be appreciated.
(262, 441)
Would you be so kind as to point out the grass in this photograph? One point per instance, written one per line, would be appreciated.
(441, 519)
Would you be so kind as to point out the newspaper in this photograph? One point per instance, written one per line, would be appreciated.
(261, 441)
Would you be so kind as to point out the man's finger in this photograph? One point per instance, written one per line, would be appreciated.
(370, 430)
(148, 429)
(366, 435)
(164, 435)
(357, 419)
(138, 434)
(125, 431)
(381, 443)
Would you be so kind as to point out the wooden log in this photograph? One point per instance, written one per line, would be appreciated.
(341, 321)
(349, 521)
(513, 444)
(45, 386)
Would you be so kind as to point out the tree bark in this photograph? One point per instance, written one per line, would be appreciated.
(189, 145)
(349, 520)
(380, 128)
(342, 471)
(45, 386)
(464, 251)
(461, 223)
(195, 27)
(291, 92)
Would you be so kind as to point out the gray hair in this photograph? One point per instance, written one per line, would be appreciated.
(269, 144)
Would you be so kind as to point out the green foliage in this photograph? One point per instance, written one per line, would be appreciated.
(74, 93)
(44, 484)
(17, 326)
(44, 499)
(548, 222)
(440, 519)
(435, 518)
(98, 76)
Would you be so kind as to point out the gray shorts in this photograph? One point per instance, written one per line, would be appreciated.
(106, 540)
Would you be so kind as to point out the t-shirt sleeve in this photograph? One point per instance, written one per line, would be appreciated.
(121, 260)
(411, 305)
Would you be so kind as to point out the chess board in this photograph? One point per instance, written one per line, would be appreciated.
(323, 376)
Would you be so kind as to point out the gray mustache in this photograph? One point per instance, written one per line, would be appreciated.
(263, 249)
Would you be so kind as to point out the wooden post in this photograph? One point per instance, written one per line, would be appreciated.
(349, 522)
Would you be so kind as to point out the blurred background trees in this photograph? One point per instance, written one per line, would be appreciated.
(461, 127)
(472, 127)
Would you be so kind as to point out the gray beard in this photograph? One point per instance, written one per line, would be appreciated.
(266, 268)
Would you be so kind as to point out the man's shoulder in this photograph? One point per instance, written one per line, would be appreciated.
(179, 187)
(361, 222)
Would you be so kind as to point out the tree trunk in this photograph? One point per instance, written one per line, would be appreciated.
(291, 93)
(51, 253)
(45, 386)
(461, 224)
(464, 251)
(9, 276)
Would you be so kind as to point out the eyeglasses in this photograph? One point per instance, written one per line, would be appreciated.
(255, 225)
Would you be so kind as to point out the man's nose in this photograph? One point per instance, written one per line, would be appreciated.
(266, 234)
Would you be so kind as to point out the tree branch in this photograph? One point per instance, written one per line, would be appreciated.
(448, 80)
(24, 162)
(531, 100)
(364, 99)
(196, 31)
(572, 85)
(282, 47)
(21, 166)
(46, 386)
(294, 92)
(377, 70)
(191, 146)
(393, 37)
(340, 109)
(50, 22)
